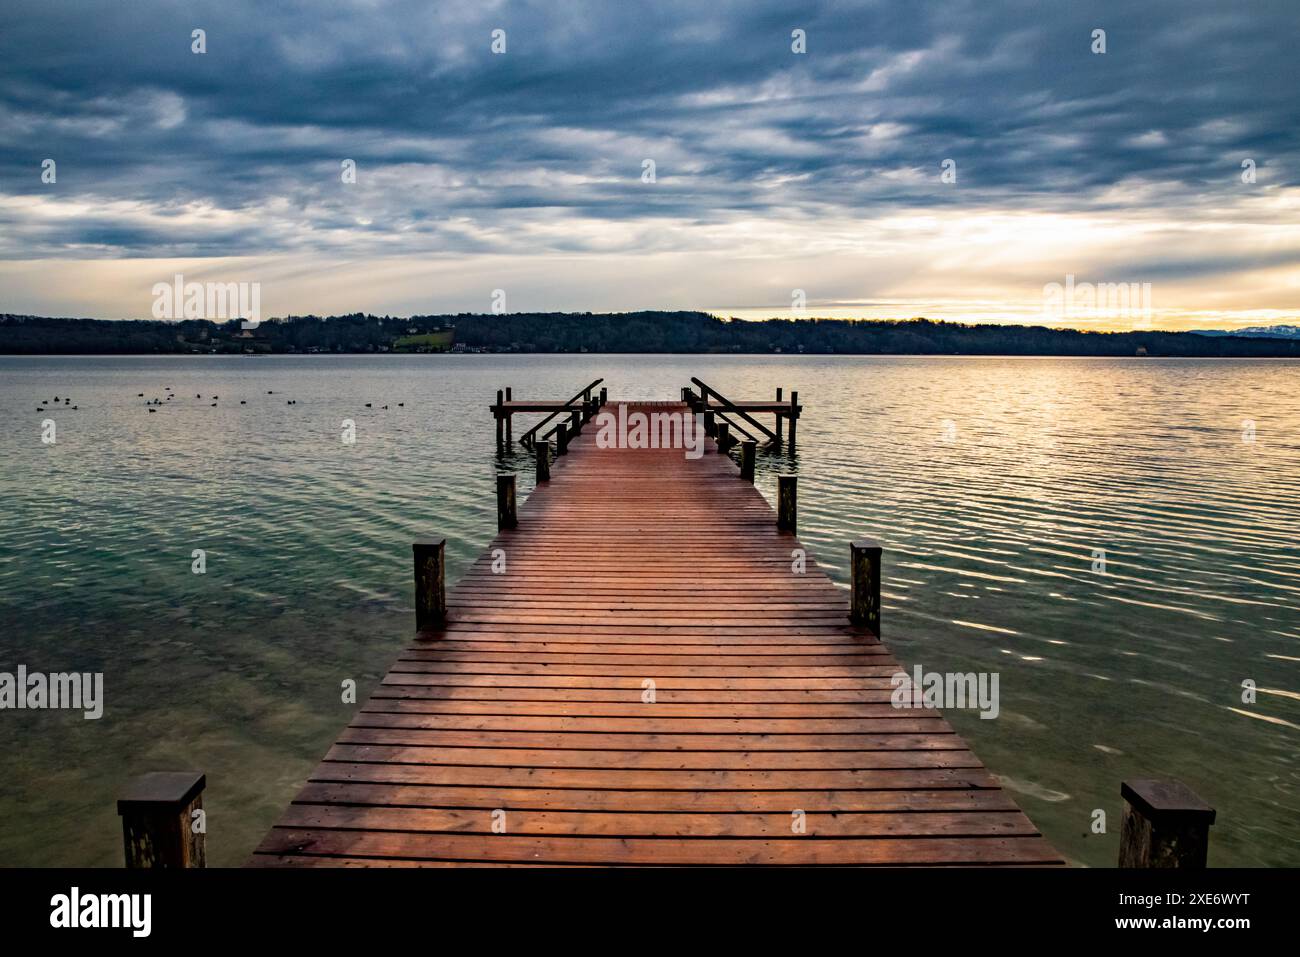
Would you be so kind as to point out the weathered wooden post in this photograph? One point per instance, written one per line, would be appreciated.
(794, 416)
(586, 411)
(748, 452)
(604, 396)
(1165, 824)
(780, 419)
(724, 436)
(430, 584)
(506, 516)
(510, 424)
(864, 571)
(499, 411)
(710, 423)
(160, 826)
(543, 450)
(561, 440)
(575, 423)
(787, 502)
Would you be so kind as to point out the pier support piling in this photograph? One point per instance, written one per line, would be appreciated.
(864, 569)
(507, 517)
(780, 419)
(561, 440)
(1165, 824)
(787, 501)
(162, 820)
(794, 416)
(430, 584)
(543, 462)
(724, 436)
(748, 453)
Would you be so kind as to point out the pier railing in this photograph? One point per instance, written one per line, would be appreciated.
(506, 407)
(722, 416)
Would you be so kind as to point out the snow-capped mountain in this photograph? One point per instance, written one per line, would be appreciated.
(1254, 332)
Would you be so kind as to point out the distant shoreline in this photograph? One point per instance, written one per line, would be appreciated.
(634, 333)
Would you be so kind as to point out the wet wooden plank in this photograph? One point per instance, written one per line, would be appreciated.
(522, 733)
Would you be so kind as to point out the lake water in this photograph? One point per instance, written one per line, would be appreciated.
(991, 483)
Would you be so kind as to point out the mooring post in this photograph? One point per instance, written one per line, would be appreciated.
(430, 584)
(500, 412)
(1165, 824)
(543, 462)
(787, 502)
(510, 424)
(864, 569)
(794, 416)
(586, 411)
(604, 396)
(780, 427)
(724, 436)
(748, 452)
(506, 516)
(163, 824)
(685, 395)
(561, 440)
(710, 423)
(575, 423)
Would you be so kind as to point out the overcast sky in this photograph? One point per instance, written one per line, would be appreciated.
(774, 170)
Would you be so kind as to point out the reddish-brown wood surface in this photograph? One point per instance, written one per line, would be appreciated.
(519, 735)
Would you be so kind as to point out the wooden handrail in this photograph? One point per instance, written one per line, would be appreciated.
(735, 426)
(528, 438)
(708, 390)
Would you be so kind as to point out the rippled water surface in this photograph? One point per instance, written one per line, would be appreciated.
(991, 483)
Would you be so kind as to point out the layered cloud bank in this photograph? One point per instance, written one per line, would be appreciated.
(619, 156)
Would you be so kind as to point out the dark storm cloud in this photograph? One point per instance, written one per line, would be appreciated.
(163, 152)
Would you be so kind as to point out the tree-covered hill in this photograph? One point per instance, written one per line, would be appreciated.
(661, 332)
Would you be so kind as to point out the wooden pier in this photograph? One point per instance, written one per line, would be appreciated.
(644, 669)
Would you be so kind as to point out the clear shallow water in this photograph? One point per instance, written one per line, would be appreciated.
(989, 481)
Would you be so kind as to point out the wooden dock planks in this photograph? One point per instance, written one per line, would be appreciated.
(525, 716)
